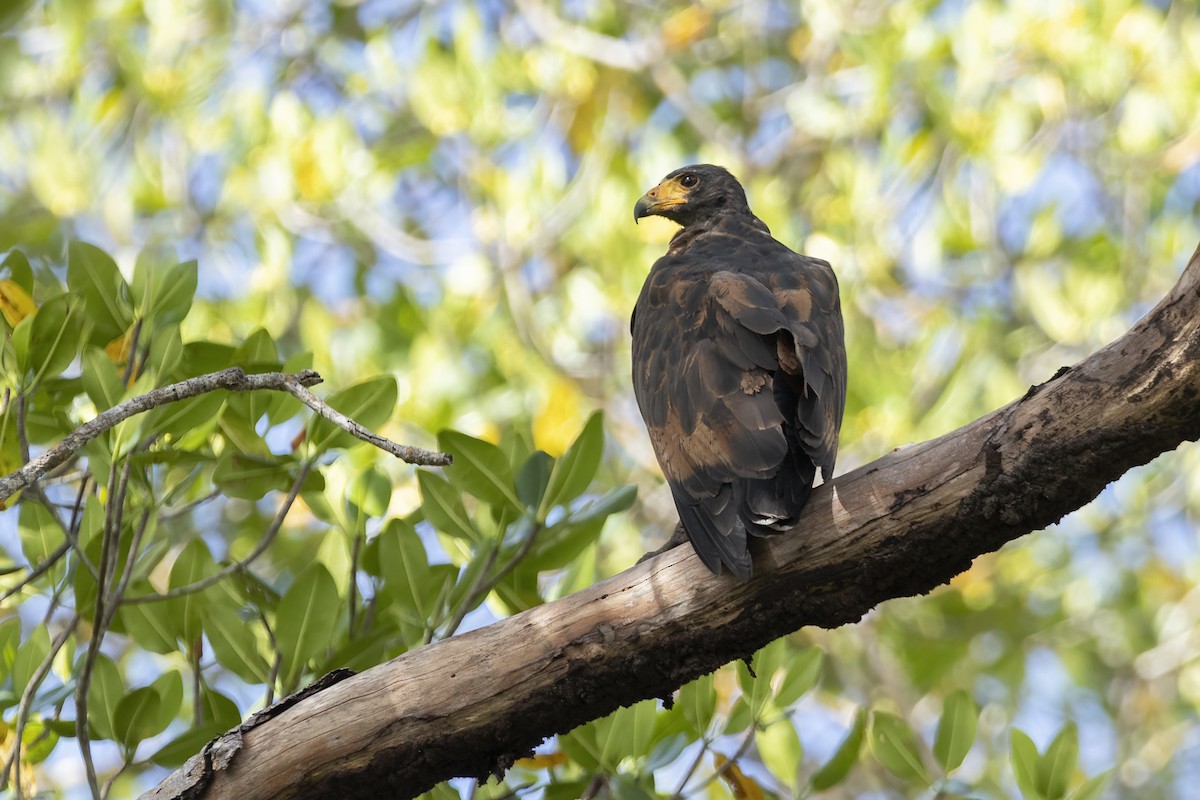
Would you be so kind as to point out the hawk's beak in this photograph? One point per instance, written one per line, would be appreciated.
(667, 194)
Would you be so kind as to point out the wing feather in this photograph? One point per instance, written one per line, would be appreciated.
(740, 375)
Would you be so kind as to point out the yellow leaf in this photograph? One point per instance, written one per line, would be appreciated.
(118, 349)
(15, 302)
(742, 786)
(543, 761)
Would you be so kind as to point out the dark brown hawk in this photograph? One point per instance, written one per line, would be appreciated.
(739, 366)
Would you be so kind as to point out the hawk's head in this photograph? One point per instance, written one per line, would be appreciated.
(693, 194)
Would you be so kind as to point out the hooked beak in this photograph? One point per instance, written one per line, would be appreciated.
(667, 194)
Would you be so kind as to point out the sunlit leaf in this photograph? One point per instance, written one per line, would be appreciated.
(480, 468)
(1057, 764)
(1024, 758)
(574, 471)
(779, 747)
(443, 506)
(956, 730)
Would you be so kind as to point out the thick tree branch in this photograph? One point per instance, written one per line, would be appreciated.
(233, 379)
(900, 526)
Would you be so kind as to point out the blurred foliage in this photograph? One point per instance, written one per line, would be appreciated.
(430, 205)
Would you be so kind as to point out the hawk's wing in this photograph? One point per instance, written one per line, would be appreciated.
(740, 377)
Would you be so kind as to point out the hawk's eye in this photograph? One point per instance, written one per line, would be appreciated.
(688, 181)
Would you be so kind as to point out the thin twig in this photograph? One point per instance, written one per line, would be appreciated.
(404, 452)
(109, 553)
(478, 591)
(232, 379)
(236, 566)
(37, 571)
(118, 591)
(353, 602)
(691, 770)
(172, 513)
(30, 689)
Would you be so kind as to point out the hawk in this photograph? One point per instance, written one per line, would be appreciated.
(739, 366)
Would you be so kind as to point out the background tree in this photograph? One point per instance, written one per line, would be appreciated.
(430, 206)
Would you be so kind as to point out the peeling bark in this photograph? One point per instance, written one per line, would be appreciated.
(900, 526)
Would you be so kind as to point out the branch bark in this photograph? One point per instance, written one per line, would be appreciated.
(233, 379)
(902, 525)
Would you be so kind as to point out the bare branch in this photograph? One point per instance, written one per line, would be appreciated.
(407, 453)
(472, 704)
(233, 379)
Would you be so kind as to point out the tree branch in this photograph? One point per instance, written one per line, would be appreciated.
(900, 526)
(233, 379)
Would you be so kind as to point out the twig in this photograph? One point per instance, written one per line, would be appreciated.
(37, 571)
(353, 601)
(478, 591)
(236, 566)
(691, 770)
(404, 452)
(172, 513)
(35, 681)
(233, 379)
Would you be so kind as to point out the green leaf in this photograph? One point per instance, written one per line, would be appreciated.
(369, 403)
(104, 692)
(371, 492)
(40, 536)
(1024, 757)
(574, 472)
(305, 619)
(250, 478)
(894, 745)
(166, 352)
(801, 672)
(407, 573)
(94, 275)
(193, 564)
(234, 643)
(218, 710)
(136, 716)
(698, 701)
(834, 771)
(41, 740)
(533, 477)
(956, 730)
(177, 420)
(780, 750)
(444, 508)
(1057, 764)
(15, 267)
(480, 469)
(29, 656)
(151, 625)
(756, 687)
(740, 717)
(169, 686)
(10, 640)
(162, 295)
(1092, 788)
(185, 745)
(101, 380)
(55, 336)
(611, 502)
(626, 733)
